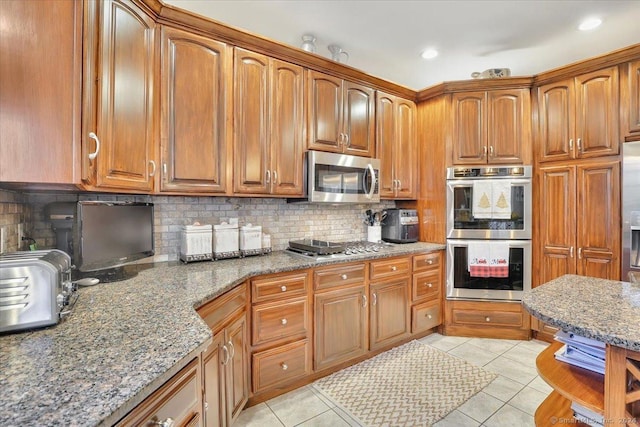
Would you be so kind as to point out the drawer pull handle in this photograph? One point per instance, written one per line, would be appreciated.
(344, 277)
(429, 316)
(394, 268)
(283, 288)
(167, 422)
(225, 350)
(487, 319)
(429, 285)
(284, 366)
(232, 350)
(364, 300)
(375, 299)
(283, 321)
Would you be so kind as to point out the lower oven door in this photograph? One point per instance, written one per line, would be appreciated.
(462, 285)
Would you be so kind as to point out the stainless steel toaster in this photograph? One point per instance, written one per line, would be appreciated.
(35, 289)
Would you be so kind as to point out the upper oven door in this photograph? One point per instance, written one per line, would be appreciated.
(341, 178)
(461, 223)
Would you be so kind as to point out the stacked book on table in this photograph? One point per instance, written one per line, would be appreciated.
(588, 354)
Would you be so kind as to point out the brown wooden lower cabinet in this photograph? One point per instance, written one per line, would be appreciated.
(487, 319)
(425, 316)
(179, 399)
(281, 365)
(390, 312)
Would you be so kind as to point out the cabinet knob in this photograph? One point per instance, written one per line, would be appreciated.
(344, 277)
(487, 319)
(283, 321)
(394, 268)
(429, 285)
(283, 288)
(429, 261)
(167, 422)
(284, 366)
(429, 316)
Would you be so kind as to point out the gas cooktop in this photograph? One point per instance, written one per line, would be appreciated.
(319, 250)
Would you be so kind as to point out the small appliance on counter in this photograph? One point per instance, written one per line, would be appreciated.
(226, 240)
(195, 243)
(37, 290)
(250, 240)
(400, 226)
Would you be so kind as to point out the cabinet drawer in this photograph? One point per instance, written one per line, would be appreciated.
(497, 318)
(179, 399)
(281, 365)
(330, 277)
(426, 261)
(273, 288)
(425, 316)
(390, 267)
(281, 320)
(215, 312)
(426, 286)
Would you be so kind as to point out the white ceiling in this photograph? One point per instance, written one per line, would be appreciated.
(385, 38)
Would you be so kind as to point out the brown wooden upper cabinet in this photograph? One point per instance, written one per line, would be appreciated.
(630, 101)
(40, 85)
(578, 117)
(341, 115)
(196, 106)
(268, 125)
(118, 124)
(491, 127)
(396, 146)
(579, 221)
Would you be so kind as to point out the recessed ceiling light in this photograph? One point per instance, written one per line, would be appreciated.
(590, 24)
(429, 54)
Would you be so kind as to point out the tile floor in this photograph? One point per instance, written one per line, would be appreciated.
(510, 400)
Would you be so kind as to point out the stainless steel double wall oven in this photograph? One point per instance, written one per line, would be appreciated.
(472, 224)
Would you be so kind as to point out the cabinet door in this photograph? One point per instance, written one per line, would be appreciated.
(630, 100)
(406, 163)
(556, 121)
(325, 109)
(557, 222)
(125, 111)
(358, 119)
(287, 128)
(597, 113)
(251, 129)
(237, 369)
(390, 315)
(508, 125)
(385, 143)
(340, 326)
(213, 384)
(598, 235)
(194, 131)
(40, 87)
(469, 128)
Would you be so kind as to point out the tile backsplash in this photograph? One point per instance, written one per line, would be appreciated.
(283, 221)
(13, 211)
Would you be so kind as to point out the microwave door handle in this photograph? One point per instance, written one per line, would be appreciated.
(373, 181)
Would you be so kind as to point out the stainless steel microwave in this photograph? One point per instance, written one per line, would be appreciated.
(342, 178)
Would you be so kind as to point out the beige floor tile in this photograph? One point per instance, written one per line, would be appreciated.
(528, 400)
(508, 416)
(473, 354)
(457, 419)
(297, 406)
(521, 372)
(443, 343)
(328, 418)
(481, 406)
(540, 385)
(259, 415)
(524, 354)
(503, 388)
(348, 418)
(494, 345)
(326, 399)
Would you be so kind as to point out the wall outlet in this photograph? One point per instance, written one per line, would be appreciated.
(2, 234)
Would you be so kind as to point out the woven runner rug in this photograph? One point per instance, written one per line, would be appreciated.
(411, 385)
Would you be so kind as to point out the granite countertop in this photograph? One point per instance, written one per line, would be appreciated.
(125, 339)
(605, 310)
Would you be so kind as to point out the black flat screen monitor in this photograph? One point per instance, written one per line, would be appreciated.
(110, 235)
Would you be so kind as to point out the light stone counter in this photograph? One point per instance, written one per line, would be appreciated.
(125, 339)
(605, 310)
